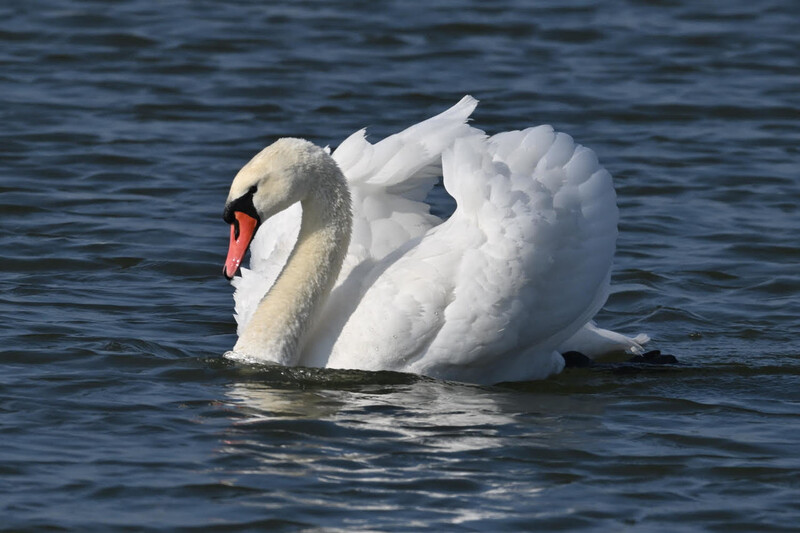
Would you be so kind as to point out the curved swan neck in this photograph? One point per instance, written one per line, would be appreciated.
(276, 330)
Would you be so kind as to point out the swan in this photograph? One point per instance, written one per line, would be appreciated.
(350, 270)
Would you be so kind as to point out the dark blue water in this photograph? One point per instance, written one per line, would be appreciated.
(122, 125)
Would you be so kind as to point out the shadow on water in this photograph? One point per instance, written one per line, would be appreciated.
(279, 376)
(577, 379)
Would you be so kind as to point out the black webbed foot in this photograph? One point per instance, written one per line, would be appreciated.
(574, 359)
(654, 357)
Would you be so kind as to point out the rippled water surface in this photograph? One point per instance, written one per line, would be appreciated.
(122, 126)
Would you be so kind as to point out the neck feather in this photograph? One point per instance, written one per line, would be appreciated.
(276, 330)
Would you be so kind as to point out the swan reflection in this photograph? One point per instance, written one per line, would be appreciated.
(430, 413)
(361, 442)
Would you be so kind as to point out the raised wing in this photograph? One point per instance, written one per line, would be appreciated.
(522, 265)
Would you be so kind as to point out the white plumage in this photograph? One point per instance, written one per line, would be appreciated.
(492, 294)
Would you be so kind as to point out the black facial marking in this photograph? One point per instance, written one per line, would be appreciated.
(243, 204)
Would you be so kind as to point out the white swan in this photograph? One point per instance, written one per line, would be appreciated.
(350, 270)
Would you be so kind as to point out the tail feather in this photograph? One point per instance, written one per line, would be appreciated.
(596, 342)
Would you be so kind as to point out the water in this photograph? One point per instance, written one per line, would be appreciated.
(122, 126)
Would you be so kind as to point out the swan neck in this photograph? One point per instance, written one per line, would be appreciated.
(286, 313)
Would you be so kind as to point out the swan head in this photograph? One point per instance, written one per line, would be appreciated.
(277, 177)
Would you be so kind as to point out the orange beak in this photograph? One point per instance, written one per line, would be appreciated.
(242, 231)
